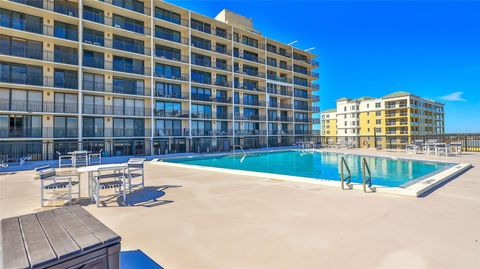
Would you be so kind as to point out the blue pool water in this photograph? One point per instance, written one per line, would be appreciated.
(322, 165)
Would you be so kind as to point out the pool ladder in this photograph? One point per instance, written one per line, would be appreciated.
(348, 179)
(243, 151)
(366, 176)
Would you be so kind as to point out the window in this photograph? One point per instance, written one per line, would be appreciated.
(378, 121)
(221, 80)
(124, 64)
(221, 32)
(300, 81)
(300, 69)
(201, 77)
(202, 60)
(21, 47)
(93, 59)
(93, 82)
(21, 100)
(93, 127)
(301, 93)
(163, 89)
(21, 21)
(250, 99)
(66, 55)
(167, 109)
(200, 26)
(168, 128)
(66, 7)
(221, 112)
(247, 55)
(66, 31)
(168, 34)
(93, 14)
(167, 15)
(168, 53)
(93, 37)
(128, 24)
(128, 127)
(65, 127)
(201, 127)
(128, 44)
(21, 73)
(378, 113)
(128, 107)
(201, 94)
(21, 126)
(65, 79)
(168, 71)
(377, 105)
(133, 5)
(128, 86)
(250, 41)
(201, 43)
(93, 104)
(221, 48)
(65, 103)
(201, 111)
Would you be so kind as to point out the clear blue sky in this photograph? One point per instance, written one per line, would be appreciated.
(372, 48)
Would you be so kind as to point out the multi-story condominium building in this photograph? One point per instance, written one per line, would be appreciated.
(145, 77)
(390, 121)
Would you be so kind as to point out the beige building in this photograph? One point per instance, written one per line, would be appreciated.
(145, 77)
(390, 121)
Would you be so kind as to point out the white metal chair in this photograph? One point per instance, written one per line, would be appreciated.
(135, 169)
(80, 158)
(108, 180)
(56, 185)
(63, 158)
(456, 148)
(441, 148)
(95, 158)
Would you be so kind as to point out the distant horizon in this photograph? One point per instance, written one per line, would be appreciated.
(373, 48)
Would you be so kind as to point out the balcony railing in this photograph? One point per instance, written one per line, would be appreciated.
(137, 29)
(279, 91)
(249, 57)
(142, 10)
(180, 77)
(249, 87)
(125, 46)
(171, 56)
(171, 114)
(116, 110)
(250, 117)
(279, 78)
(37, 106)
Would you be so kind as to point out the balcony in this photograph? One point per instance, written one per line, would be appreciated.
(172, 38)
(284, 92)
(171, 56)
(279, 78)
(37, 106)
(209, 98)
(167, 95)
(62, 7)
(259, 46)
(167, 132)
(201, 115)
(179, 77)
(132, 6)
(196, 132)
(133, 28)
(116, 110)
(250, 117)
(250, 72)
(250, 132)
(171, 114)
(253, 103)
(127, 47)
(249, 87)
(250, 58)
(275, 50)
(19, 132)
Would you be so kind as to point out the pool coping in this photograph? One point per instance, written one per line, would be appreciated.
(418, 189)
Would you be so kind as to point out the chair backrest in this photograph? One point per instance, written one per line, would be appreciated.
(46, 173)
(135, 162)
(419, 143)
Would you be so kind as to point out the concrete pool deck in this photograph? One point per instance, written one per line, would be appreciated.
(200, 219)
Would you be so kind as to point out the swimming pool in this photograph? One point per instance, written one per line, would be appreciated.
(386, 172)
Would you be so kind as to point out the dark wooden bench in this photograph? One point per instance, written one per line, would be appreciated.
(59, 238)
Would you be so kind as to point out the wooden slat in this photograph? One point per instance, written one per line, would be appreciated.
(13, 249)
(102, 232)
(77, 230)
(38, 248)
(61, 242)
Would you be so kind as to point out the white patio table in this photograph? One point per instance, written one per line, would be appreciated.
(94, 168)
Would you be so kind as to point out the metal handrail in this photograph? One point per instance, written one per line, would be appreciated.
(244, 154)
(343, 163)
(366, 181)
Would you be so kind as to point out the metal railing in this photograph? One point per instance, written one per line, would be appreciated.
(348, 179)
(366, 176)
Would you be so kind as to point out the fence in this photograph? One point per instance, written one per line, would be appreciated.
(46, 150)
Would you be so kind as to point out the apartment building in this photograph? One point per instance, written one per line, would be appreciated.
(388, 122)
(145, 77)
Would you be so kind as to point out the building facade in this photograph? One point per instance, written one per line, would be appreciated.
(145, 77)
(388, 122)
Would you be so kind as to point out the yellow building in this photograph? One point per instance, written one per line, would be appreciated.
(145, 77)
(388, 122)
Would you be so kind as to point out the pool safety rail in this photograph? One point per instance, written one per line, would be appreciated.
(366, 177)
(243, 151)
(348, 179)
